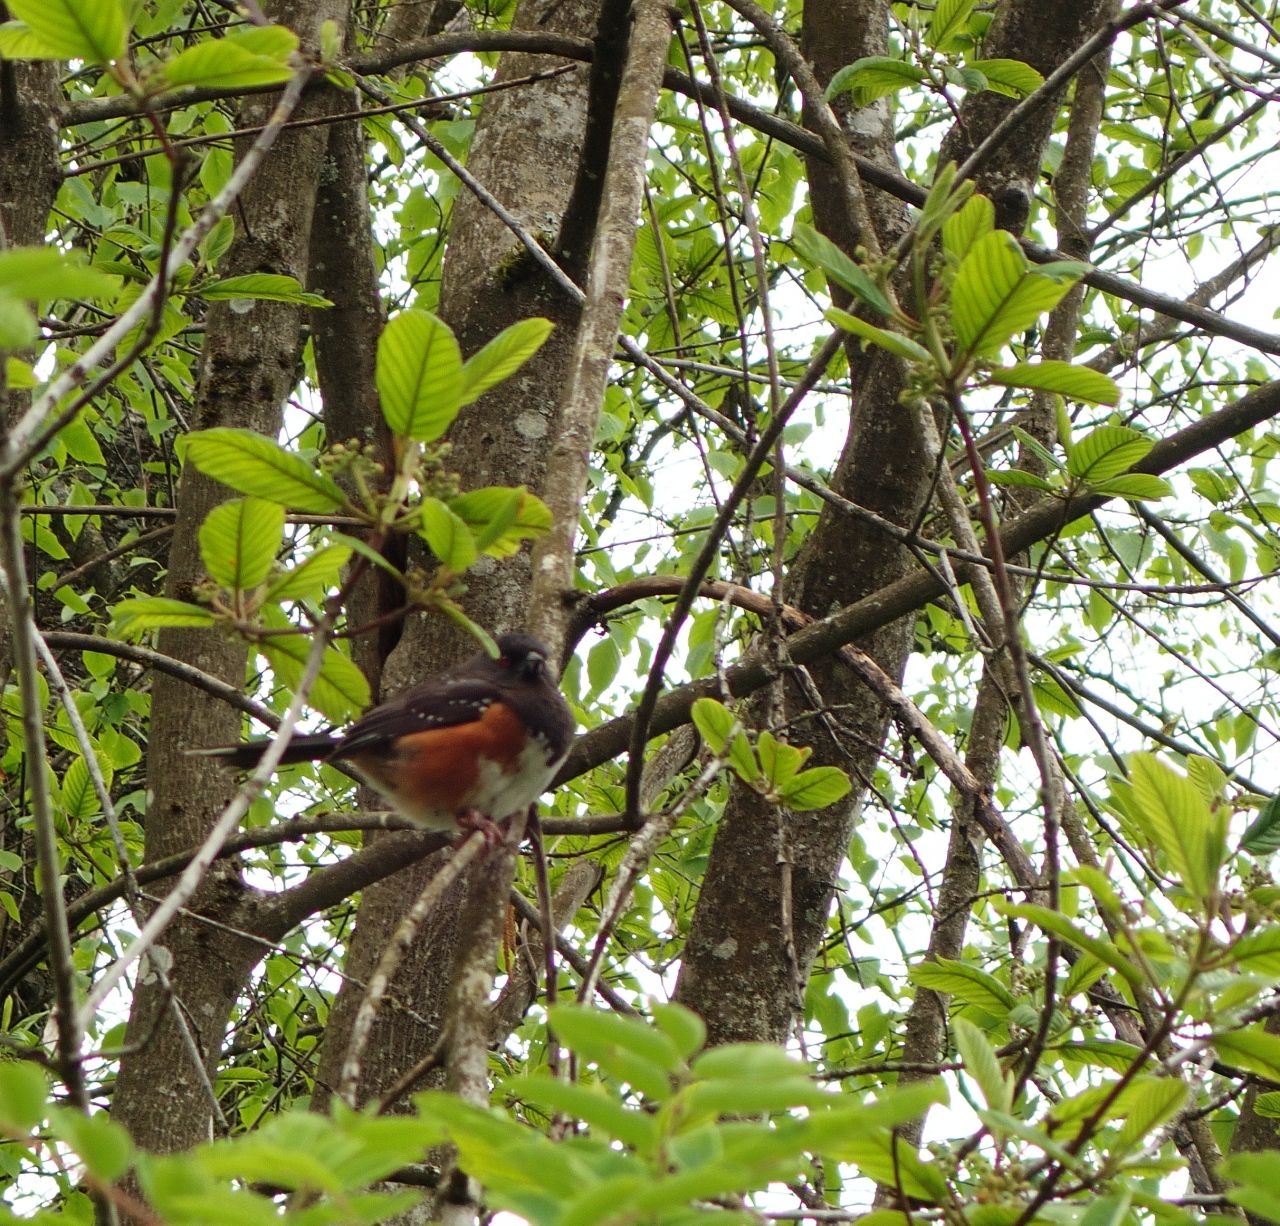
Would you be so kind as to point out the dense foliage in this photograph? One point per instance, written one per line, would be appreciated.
(888, 444)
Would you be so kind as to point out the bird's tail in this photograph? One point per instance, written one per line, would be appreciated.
(248, 754)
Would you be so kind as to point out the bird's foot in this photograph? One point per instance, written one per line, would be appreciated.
(471, 821)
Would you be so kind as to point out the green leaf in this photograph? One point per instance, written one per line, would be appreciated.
(1180, 822)
(714, 722)
(18, 328)
(419, 376)
(1106, 452)
(239, 541)
(779, 761)
(42, 274)
(239, 61)
(1259, 1178)
(341, 690)
(682, 1026)
(1076, 382)
(968, 224)
(968, 984)
(982, 1064)
(133, 618)
(448, 536)
(873, 77)
(1258, 953)
(24, 1096)
(603, 662)
(1010, 77)
(1137, 487)
(894, 342)
(501, 518)
(252, 464)
(103, 1145)
(1252, 1049)
(79, 799)
(950, 17)
(593, 1105)
(93, 30)
(273, 287)
(816, 788)
(1146, 1104)
(820, 250)
(1262, 836)
(316, 574)
(995, 296)
(503, 356)
(623, 1047)
(1016, 477)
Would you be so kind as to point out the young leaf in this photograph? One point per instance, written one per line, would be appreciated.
(1010, 77)
(873, 77)
(503, 356)
(239, 61)
(133, 618)
(93, 30)
(312, 577)
(950, 17)
(995, 296)
(964, 227)
(252, 464)
(1262, 835)
(239, 540)
(894, 342)
(1136, 487)
(24, 1096)
(1106, 452)
(419, 376)
(714, 722)
(1060, 926)
(820, 250)
(341, 690)
(1076, 382)
(1180, 822)
(982, 1064)
(448, 536)
(501, 518)
(272, 287)
(970, 984)
(816, 788)
(41, 274)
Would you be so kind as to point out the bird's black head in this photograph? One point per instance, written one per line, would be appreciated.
(522, 655)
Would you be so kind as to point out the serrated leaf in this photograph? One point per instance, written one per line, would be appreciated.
(995, 295)
(271, 287)
(982, 1064)
(132, 618)
(419, 375)
(239, 541)
(894, 342)
(1076, 382)
(820, 250)
(501, 518)
(1262, 835)
(950, 17)
(1252, 1049)
(872, 77)
(968, 224)
(316, 574)
(340, 692)
(1179, 821)
(239, 61)
(714, 722)
(252, 464)
(816, 788)
(1146, 1104)
(1013, 78)
(1137, 487)
(93, 30)
(448, 536)
(969, 984)
(1106, 452)
(503, 356)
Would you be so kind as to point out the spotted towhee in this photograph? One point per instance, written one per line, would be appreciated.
(481, 741)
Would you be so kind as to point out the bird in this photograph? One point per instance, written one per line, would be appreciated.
(466, 748)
